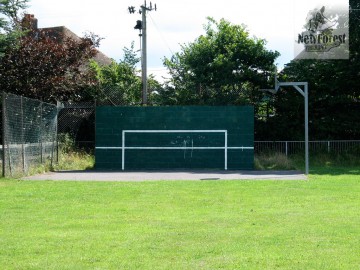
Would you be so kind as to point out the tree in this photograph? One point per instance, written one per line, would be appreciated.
(10, 29)
(224, 66)
(42, 67)
(119, 83)
(39, 63)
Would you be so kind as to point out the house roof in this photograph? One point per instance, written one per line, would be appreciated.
(60, 32)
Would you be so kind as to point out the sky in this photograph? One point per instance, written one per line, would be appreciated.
(174, 23)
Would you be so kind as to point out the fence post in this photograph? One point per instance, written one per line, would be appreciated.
(286, 148)
(41, 127)
(22, 134)
(328, 146)
(3, 134)
(55, 144)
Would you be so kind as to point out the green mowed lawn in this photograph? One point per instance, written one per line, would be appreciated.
(312, 224)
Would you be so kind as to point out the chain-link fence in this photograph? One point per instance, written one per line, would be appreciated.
(28, 134)
(76, 120)
(76, 125)
(113, 95)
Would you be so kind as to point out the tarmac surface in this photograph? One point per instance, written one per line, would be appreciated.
(139, 176)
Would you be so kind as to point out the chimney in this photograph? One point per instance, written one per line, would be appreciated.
(29, 22)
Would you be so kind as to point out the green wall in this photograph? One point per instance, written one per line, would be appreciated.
(111, 121)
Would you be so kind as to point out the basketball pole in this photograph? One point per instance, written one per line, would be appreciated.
(305, 93)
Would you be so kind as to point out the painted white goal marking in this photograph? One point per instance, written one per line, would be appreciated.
(225, 147)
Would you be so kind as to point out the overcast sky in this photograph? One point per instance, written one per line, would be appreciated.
(175, 22)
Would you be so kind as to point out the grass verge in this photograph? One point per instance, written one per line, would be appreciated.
(183, 225)
(275, 161)
(71, 157)
(74, 160)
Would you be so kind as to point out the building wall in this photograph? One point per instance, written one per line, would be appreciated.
(179, 150)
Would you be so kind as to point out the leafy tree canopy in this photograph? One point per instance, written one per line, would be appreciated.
(10, 28)
(223, 66)
(42, 67)
(120, 83)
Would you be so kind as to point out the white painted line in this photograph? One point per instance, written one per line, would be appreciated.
(174, 147)
(225, 147)
(226, 156)
(108, 147)
(123, 151)
(171, 131)
(175, 131)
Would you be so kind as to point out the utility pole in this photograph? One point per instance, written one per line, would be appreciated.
(141, 26)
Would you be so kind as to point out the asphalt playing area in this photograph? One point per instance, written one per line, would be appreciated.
(136, 176)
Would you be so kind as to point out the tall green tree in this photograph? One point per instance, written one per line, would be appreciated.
(223, 66)
(120, 83)
(10, 26)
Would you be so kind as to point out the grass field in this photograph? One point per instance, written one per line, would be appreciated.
(312, 224)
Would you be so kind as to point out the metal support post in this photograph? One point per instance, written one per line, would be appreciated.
(304, 93)
(3, 133)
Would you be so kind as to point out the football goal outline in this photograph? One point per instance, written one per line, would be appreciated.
(126, 134)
